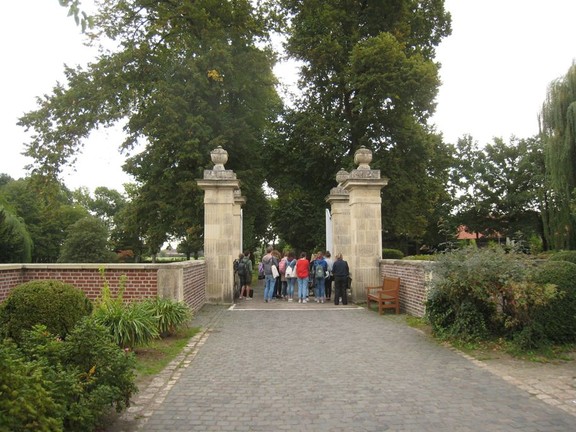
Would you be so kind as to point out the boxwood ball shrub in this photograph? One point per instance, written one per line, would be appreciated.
(55, 304)
(392, 254)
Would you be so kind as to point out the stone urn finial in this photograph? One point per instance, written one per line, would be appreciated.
(219, 157)
(342, 176)
(363, 157)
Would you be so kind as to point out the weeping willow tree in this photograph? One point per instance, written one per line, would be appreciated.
(558, 129)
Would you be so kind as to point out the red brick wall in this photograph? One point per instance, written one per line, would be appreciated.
(141, 279)
(414, 283)
(195, 286)
(10, 276)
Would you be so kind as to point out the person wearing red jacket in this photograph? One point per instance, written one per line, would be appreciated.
(302, 274)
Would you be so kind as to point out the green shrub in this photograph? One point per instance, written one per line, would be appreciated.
(169, 313)
(556, 321)
(392, 254)
(88, 373)
(568, 255)
(26, 402)
(57, 305)
(469, 291)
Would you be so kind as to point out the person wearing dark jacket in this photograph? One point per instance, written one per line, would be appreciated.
(340, 271)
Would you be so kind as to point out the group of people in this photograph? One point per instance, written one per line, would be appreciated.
(283, 273)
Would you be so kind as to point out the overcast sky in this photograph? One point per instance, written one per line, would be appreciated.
(496, 68)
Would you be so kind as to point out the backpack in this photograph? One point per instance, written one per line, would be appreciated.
(242, 268)
(236, 265)
(260, 271)
(282, 266)
(267, 265)
(319, 271)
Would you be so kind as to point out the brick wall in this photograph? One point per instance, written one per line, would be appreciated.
(142, 280)
(415, 279)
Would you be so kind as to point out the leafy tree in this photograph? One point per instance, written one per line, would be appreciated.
(192, 243)
(186, 77)
(81, 17)
(367, 78)
(15, 241)
(87, 241)
(499, 188)
(105, 204)
(46, 208)
(558, 131)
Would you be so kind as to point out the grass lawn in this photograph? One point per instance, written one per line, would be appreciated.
(153, 358)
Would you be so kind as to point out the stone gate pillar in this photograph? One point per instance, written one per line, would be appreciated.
(222, 226)
(340, 211)
(363, 186)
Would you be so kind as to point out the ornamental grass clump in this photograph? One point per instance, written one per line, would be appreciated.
(171, 314)
(130, 324)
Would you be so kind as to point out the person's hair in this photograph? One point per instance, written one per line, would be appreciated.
(269, 249)
(327, 254)
(303, 255)
(241, 255)
(339, 256)
(291, 255)
(246, 253)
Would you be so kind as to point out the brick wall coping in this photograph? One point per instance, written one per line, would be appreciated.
(417, 263)
(107, 266)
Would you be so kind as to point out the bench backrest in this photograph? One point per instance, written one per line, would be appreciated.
(391, 284)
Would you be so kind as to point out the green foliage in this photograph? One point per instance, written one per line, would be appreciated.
(15, 241)
(86, 242)
(569, 255)
(556, 321)
(87, 373)
(392, 254)
(498, 188)
(130, 324)
(47, 210)
(558, 131)
(57, 305)
(26, 402)
(367, 79)
(171, 314)
(478, 293)
(204, 66)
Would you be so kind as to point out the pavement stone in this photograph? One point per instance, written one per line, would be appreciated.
(313, 367)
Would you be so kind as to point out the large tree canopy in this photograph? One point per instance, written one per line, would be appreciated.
(558, 127)
(368, 78)
(185, 77)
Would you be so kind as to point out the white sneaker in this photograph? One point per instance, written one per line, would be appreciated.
(289, 300)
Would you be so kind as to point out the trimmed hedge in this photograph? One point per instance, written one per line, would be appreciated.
(556, 321)
(568, 255)
(392, 254)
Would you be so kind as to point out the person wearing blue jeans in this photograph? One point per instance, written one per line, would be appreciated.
(302, 274)
(269, 280)
(290, 280)
(320, 269)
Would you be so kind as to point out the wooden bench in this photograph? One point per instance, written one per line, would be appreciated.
(386, 295)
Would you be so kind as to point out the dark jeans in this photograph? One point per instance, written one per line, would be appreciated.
(340, 289)
(328, 286)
